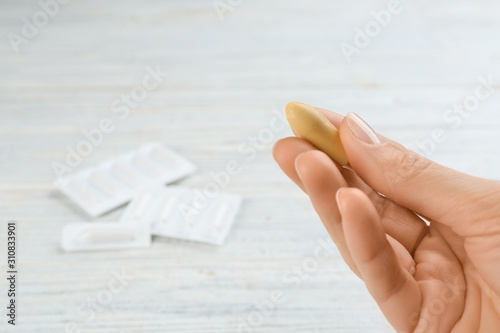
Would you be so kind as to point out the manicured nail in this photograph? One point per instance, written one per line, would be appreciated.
(337, 198)
(296, 168)
(361, 129)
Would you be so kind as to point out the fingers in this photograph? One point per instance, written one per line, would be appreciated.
(321, 179)
(286, 151)
(413, 181)
(404, 257)
(399, 222)
(391, 285)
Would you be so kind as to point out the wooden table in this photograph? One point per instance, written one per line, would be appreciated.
(226, 81)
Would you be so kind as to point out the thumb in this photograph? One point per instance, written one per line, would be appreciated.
(413, 181)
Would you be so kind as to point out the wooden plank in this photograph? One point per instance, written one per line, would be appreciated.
(225, 79)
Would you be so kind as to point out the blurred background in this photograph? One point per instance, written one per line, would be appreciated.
(225, 69)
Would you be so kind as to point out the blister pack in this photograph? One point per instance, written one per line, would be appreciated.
(105, 236)
(110, 184)
(184, 213)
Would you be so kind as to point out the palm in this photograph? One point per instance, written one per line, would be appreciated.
(442, 279)
(446, 270)
(455, 290)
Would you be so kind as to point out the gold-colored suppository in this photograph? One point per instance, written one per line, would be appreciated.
(313, 126)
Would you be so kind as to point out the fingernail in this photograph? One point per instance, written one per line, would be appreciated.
(296, 168)
(362, 130)
(337, 198)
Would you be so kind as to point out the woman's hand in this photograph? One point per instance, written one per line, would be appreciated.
(442, 277)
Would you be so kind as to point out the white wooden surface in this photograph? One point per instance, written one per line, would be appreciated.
(224, 80)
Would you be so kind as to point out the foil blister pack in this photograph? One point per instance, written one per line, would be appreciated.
(104, 187)
(184, 213)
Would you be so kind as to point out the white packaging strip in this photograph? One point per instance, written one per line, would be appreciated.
(184, 213)
(105, 236)
(110, 184)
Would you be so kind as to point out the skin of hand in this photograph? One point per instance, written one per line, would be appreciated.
(439, 276)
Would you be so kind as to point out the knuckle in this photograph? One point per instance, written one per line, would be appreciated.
(408, 166)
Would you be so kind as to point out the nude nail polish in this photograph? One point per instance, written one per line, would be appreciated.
(361, 129)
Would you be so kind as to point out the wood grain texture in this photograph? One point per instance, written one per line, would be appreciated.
(224, 80)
